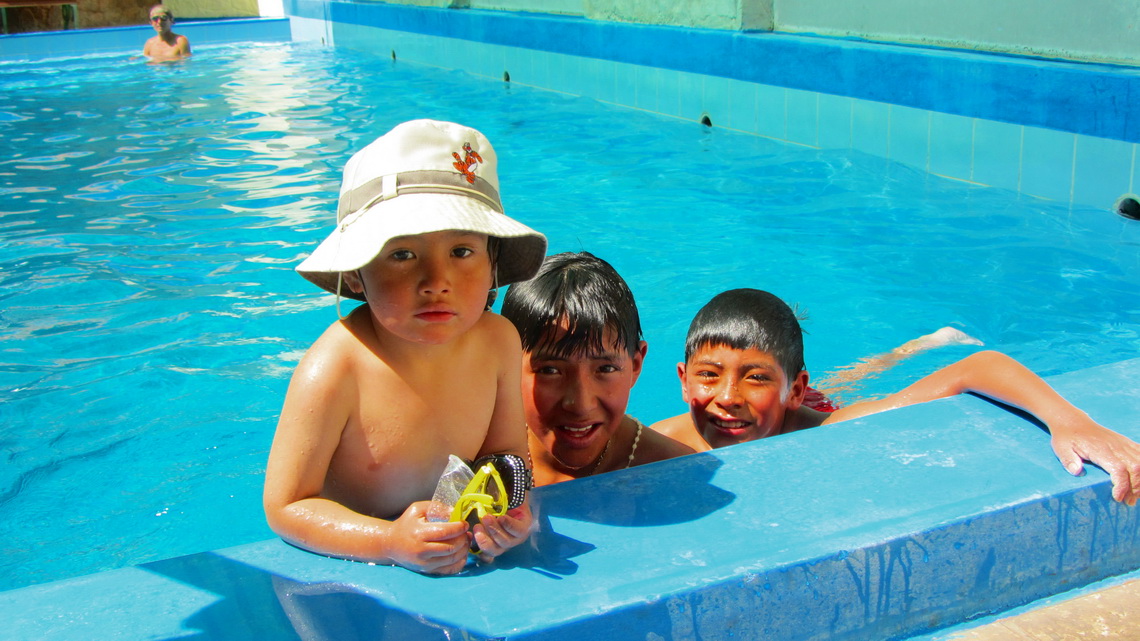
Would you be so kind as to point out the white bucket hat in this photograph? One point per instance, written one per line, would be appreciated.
(422, 176)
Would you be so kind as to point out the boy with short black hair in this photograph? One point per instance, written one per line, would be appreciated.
(744, 379)
(582, 354)
(418, 373)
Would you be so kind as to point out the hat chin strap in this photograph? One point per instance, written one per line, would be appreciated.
(339, 280)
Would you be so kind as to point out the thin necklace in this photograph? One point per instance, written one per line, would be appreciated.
(593, 466)
(636, 438)
(606, 450)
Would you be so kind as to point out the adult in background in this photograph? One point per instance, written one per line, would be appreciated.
(165, 45)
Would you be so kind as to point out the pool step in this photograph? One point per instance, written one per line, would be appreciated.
(886, 527)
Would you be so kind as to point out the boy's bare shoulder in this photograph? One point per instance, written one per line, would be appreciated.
(497, 333)
(335, 354)
(680, 429)
(655, 446)
(674, 426)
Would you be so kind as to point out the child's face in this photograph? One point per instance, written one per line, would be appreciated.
(427, 288)
(737, 395)
(575, 404)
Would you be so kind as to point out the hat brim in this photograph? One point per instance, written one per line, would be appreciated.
(360, 237)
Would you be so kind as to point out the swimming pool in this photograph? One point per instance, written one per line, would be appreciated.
(152, 216)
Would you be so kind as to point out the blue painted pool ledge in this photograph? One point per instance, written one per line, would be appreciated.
(884, 528)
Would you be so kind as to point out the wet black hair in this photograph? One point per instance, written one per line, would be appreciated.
(494, 246)
(749, 319)
(582, 291)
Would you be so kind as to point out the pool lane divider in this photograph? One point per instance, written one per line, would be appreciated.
(881, 528)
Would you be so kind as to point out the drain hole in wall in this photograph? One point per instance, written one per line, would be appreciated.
(393, 54)
(1128, 207)
(705, 120)
(506, 76)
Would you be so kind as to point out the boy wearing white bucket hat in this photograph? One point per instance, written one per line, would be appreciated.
(419, 372)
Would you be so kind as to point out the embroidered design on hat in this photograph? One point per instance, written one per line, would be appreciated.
(468, 163)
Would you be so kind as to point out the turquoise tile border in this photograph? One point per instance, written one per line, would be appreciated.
(997, 154)
(771, 106)
(910, 136)
(870, 123)
(951, 145)
(1047, 163)
(1101, 168)
(717, 101)
(1134, 186)
(802, 117)
(835, 121)
(742, 106)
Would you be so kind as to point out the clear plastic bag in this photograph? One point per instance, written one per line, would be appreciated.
(454, 480)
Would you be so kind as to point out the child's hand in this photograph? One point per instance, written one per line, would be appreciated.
(426, 546)
(496, 534)
(1082, 439)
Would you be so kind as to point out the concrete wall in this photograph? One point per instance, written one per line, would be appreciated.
(562, 7)
(189, 9)
(1090, 30)
(713, 14)
(91, 14)
(1097, 30)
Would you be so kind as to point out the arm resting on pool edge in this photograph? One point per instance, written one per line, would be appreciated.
(849, 378)
(1075, 436)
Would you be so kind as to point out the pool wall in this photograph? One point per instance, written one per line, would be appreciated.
(1088, 30)
(887, 527)
(1058, 130)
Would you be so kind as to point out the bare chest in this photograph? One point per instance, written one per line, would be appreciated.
(393, 450)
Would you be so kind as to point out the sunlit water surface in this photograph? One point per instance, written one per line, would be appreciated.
(151, 217)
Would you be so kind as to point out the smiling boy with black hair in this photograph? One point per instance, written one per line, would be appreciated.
(582, 354)
(744, 379)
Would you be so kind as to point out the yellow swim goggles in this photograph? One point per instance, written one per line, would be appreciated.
(484, 495)
(501, 483)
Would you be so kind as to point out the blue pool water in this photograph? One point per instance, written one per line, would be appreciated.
(151, 217)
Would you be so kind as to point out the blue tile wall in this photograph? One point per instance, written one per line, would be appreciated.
(835, 121)
(1134, 186)
(771, 108)
(802, 116)
(691, 99)
(718, 99)
(1047, 163)
(1100, 168)
(870, 123)
(909, 138)
(997, 154)
(742, 106)
(951, 145)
